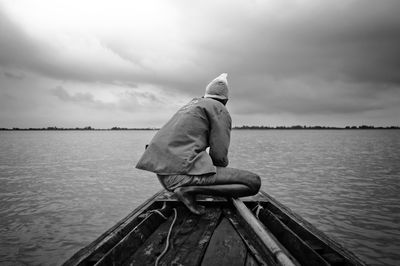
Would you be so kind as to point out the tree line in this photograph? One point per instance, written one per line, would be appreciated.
(236, 127)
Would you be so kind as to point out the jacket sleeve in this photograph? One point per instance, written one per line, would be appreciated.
(219, 139)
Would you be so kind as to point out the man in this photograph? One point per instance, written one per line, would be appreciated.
(177, 153)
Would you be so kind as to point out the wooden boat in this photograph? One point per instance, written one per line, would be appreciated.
(255, 230)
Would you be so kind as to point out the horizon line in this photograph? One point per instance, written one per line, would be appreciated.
(234, 128)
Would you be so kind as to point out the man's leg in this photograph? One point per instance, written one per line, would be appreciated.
(230, 182)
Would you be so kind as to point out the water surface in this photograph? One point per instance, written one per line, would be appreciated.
(62, 189)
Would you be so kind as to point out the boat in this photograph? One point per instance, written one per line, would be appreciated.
(255, 230)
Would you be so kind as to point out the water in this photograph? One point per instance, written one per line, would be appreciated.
(60, 190)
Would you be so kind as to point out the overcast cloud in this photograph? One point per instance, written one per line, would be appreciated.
(133, 63)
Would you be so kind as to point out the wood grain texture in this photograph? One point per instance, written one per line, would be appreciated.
(190, 238)
(95, 250)
(296, 246)
(156, 243)
(254, 246)
(310, 233)
(225, 247)
(132, 241)
(250, 260)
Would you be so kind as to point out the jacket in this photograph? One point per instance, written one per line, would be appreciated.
(179, 147)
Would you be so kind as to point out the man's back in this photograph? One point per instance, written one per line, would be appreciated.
(177, 153)
(179, 147)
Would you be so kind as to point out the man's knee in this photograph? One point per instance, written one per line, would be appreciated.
(234, 176)
(257, 183)
(254, 182)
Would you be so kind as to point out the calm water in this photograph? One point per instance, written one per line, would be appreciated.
(60, 190)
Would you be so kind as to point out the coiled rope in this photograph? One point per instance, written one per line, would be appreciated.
(168, 237)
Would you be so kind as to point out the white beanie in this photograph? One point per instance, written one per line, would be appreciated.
(218, 88)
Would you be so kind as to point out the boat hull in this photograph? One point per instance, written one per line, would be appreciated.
(255, 230)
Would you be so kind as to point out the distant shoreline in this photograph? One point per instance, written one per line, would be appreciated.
(297, 127)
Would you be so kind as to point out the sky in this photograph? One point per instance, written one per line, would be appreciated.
(102, 64)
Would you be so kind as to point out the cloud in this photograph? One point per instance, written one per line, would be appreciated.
(282, 40)
(14, 75)
(120, 98)
(282, 57)
(63, 95)
(16, 47)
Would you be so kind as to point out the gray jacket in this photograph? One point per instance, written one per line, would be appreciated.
(179, 147)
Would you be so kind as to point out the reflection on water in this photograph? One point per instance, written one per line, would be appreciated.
(60, 190)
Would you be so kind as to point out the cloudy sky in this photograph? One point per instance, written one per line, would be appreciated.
(133, 63)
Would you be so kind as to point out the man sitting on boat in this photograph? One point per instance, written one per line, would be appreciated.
(177, 153)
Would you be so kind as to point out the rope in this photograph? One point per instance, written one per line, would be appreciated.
(168, 237)
(258, 208)
(160, 213)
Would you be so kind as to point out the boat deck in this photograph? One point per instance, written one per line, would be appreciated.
(215, 238)
(209, 239)
(231, 232)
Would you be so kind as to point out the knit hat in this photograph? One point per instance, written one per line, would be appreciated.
(218, 88)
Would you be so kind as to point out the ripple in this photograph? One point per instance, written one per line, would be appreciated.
(61, 190)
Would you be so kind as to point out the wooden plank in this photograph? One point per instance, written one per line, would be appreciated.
(267, 238)
(189, 239)
(258, 251)
(315, 245)
(250, 260)
(308, 232)
(334, 259)
(101, 245)
(225, 247)
(298, 248)
(168, 196)
(322, 244)
(259, 197)
(147, 253)
(132, 241)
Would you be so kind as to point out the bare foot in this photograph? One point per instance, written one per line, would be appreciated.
(189, 201)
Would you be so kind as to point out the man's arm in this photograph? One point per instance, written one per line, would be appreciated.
(220, 135)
